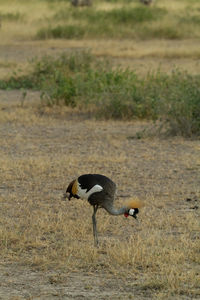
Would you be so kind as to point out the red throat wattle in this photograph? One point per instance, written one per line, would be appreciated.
(126, 215)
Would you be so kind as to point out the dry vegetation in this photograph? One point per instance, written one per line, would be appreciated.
(46, 244)
(41, 153)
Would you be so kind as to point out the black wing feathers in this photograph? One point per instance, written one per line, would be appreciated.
(87, 181)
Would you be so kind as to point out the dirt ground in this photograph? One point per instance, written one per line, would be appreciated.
(23, 283)
(167, 171)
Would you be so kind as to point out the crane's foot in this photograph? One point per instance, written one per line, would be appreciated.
(96, 243)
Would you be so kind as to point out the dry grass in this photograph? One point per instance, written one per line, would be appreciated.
(40, 154)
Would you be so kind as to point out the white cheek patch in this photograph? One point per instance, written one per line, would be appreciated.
(131, 211)
(82, 193)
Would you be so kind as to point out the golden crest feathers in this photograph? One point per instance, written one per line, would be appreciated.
(134, 203)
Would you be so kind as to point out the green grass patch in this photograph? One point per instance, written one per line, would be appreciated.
(161, 32)
(90, 23)
(194, 20)
(124, 15)
(126, 22)
(66, 31)
(80, 80)
(11, 16)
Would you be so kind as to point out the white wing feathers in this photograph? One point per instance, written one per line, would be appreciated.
(82, 193)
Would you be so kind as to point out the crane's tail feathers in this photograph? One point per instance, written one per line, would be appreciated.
(134, 203)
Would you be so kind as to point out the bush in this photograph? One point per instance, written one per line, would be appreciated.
(167, 32)
(66, 31)
(124, 15)
(182, 104)
(135, 15)
(81, 80)
(11, 16)
(123, 22)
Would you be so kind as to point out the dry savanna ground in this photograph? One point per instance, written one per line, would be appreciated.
(46, 244)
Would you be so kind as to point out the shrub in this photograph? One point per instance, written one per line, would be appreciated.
(11, 16)
(182, 104)
(135, 15)
(123, 22)
(167, 32)
(81, 80)
(124, 15)
(65, 31)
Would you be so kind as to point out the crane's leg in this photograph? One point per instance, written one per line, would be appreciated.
(95, 225)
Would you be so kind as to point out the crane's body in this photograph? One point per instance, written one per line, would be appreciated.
(99, 191)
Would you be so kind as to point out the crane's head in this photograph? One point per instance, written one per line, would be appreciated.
(132, 212)
(71, 191)
(133, 208)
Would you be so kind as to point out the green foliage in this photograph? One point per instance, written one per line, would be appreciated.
(81, 80)
(182, 104)
(66, 31)
(134, 15)
(195, 19)
(167, 32)
(112, 23)
(124, 15)
(11, 16)
(19, 82)
(138, 21)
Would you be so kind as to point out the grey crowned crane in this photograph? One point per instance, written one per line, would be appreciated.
(99, 191)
